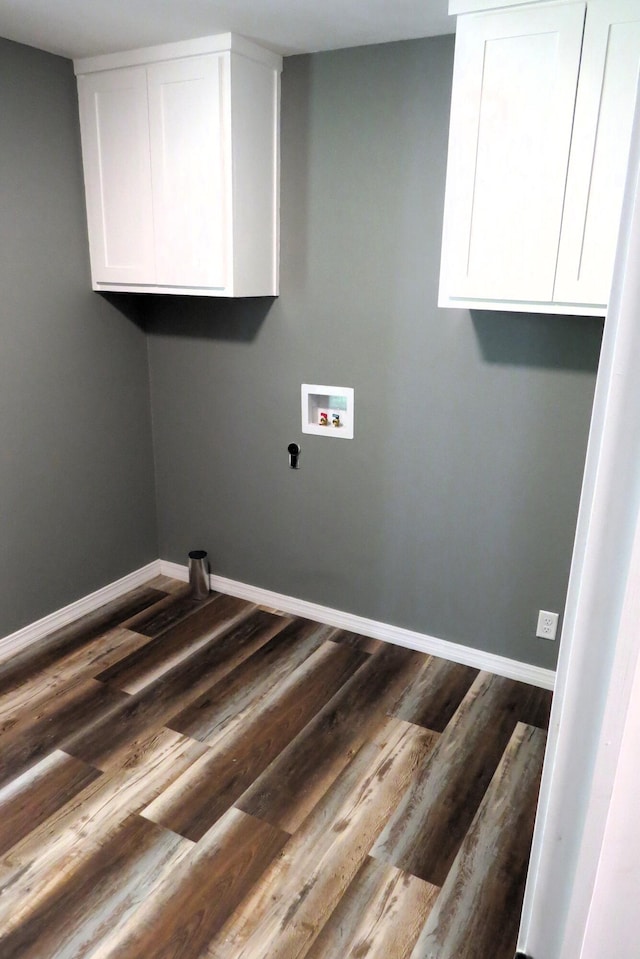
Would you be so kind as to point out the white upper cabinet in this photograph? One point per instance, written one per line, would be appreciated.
(181, 162)
(541, 115)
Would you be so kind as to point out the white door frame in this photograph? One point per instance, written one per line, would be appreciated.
(576, 849)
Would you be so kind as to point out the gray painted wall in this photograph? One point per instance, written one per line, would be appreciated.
(453, 510)
(76, 474)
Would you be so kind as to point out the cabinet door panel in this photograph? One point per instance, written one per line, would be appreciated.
(115, 145)
(514, 92)
(188, 139)
(599, 151)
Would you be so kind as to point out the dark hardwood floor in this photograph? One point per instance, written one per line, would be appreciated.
(212, 780)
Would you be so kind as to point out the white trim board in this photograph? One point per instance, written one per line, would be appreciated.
(22, 638)
(466, 655)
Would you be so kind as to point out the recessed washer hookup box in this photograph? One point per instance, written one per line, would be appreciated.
(327, 410)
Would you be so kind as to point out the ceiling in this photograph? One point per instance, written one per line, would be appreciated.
(79, 28)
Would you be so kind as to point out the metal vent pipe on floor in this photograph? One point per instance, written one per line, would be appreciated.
(198, 574)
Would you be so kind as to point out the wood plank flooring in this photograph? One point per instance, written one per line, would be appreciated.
(214, 780)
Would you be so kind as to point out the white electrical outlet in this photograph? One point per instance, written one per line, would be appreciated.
(547, 624)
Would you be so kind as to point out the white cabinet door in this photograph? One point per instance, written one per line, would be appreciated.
(515, 80)
(115, 142)
(599, 151)
(188, 100)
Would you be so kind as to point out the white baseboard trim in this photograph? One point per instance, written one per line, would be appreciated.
(432, 645)
(466, 655)
(22, 638)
